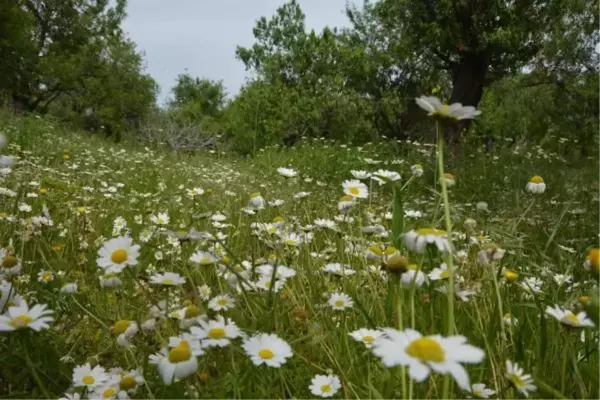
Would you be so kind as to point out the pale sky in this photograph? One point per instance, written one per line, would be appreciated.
(202, 35)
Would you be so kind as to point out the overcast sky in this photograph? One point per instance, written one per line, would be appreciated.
(201, 35)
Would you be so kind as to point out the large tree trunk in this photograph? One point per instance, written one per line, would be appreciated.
(468, 77)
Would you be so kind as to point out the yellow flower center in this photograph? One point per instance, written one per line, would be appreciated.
(511, 275)
(444, 274)
(290, 242)
(3, 215)
(21, 321)
(584, 299)
(572, 318)
(368, 339)
(80, 210)
(205, 260)
(47, 276)
(222, 302)
(376, 249)
(426, 350)
(121, 326)
(346, 198)
(167, 281)
(507, 315)
(354, 190)
(431, 231)
(108, 393)
(255, 195)
(9, 262)
(119, 256)
(192, 311)
(414, 267)
(325, 388)
(594, 257)
(127, 383)
(278, 219)
(390, 250)
(216, 333)
(536, 179)
(339, 303)
(43, 191)
(449, 176)
(266, 354)
(88, 380)
(180, 353)
(516, 380)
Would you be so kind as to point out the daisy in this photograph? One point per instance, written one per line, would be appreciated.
(532, 285)
(160, 219)
(8, 296)
(340, 301)
(536, 185)
(490, 252)
(479, 390)
(360, 175)
(276, 203)
(189, 340)
(325, 224)
(355, 189)
(301, 195)
(417, 170)
(175, 364)
(203, 258)
(191, 193)
(366, 336)
(450, 179)
(266, 283)
(267, 349)
(118, 253)
(338, 269)
(129, 381)
(215, 332)
(204, 292)
(387, 176)
(567, 317)
(85, 375)
(325, 385)
(291, 239)
(167, 279)
(256, 202)
(9, 264)
(345, 204)
(425, 353)
(417, 240)
(45, 276)
(282, 271)
(222, 302)
(561, 279)
(21, 317)
(125, 330)
(286, 172)
(523, 383)
(482, 206)
(413, 276)
(412, 214)
(69, 288)
(451, 113)
(109, 281)
(509, 320)
(108, 390)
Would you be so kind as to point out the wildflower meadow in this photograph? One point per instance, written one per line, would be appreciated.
(324, 270)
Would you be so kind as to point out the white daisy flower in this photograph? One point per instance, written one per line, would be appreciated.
(256, 202)
(417, 170)
(455, 111)
(276, 203)
(215, 332)
(85, 375)
(118, 253)
(9, 264)
(522, 382)
(417, 240)
(355, 189)
(222, 302)
(366, 336)
(21, 317)
(204, 292)
(203, 258)
(265, 283)
(360, 175)
(340, 301)
(479, 390)
(267, 349)
(301, 195)
(325, 224)
(176, 363)
(69, 288)
(439, 273)
(110, 280)
(536, 185)
(325, 385)
(413, 277)
(282, 271)
(338, 269)
(387, 176)
(422, 354)
(160, 219)
(167, 279)
(286, 172)
(567, 317)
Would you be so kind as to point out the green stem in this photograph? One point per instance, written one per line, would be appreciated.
(449, 260)
(400, 300)
(36, 377)
(499, 298)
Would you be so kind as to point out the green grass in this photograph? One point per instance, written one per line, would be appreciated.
(543, 235)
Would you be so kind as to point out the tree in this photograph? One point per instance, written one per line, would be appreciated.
(480, 41)
(44, 42)
(197, 98)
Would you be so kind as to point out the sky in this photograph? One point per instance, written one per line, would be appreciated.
(201, 35)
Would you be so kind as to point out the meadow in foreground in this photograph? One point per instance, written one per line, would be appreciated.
(322, 271)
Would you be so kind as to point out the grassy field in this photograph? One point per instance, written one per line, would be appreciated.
(516, 253)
